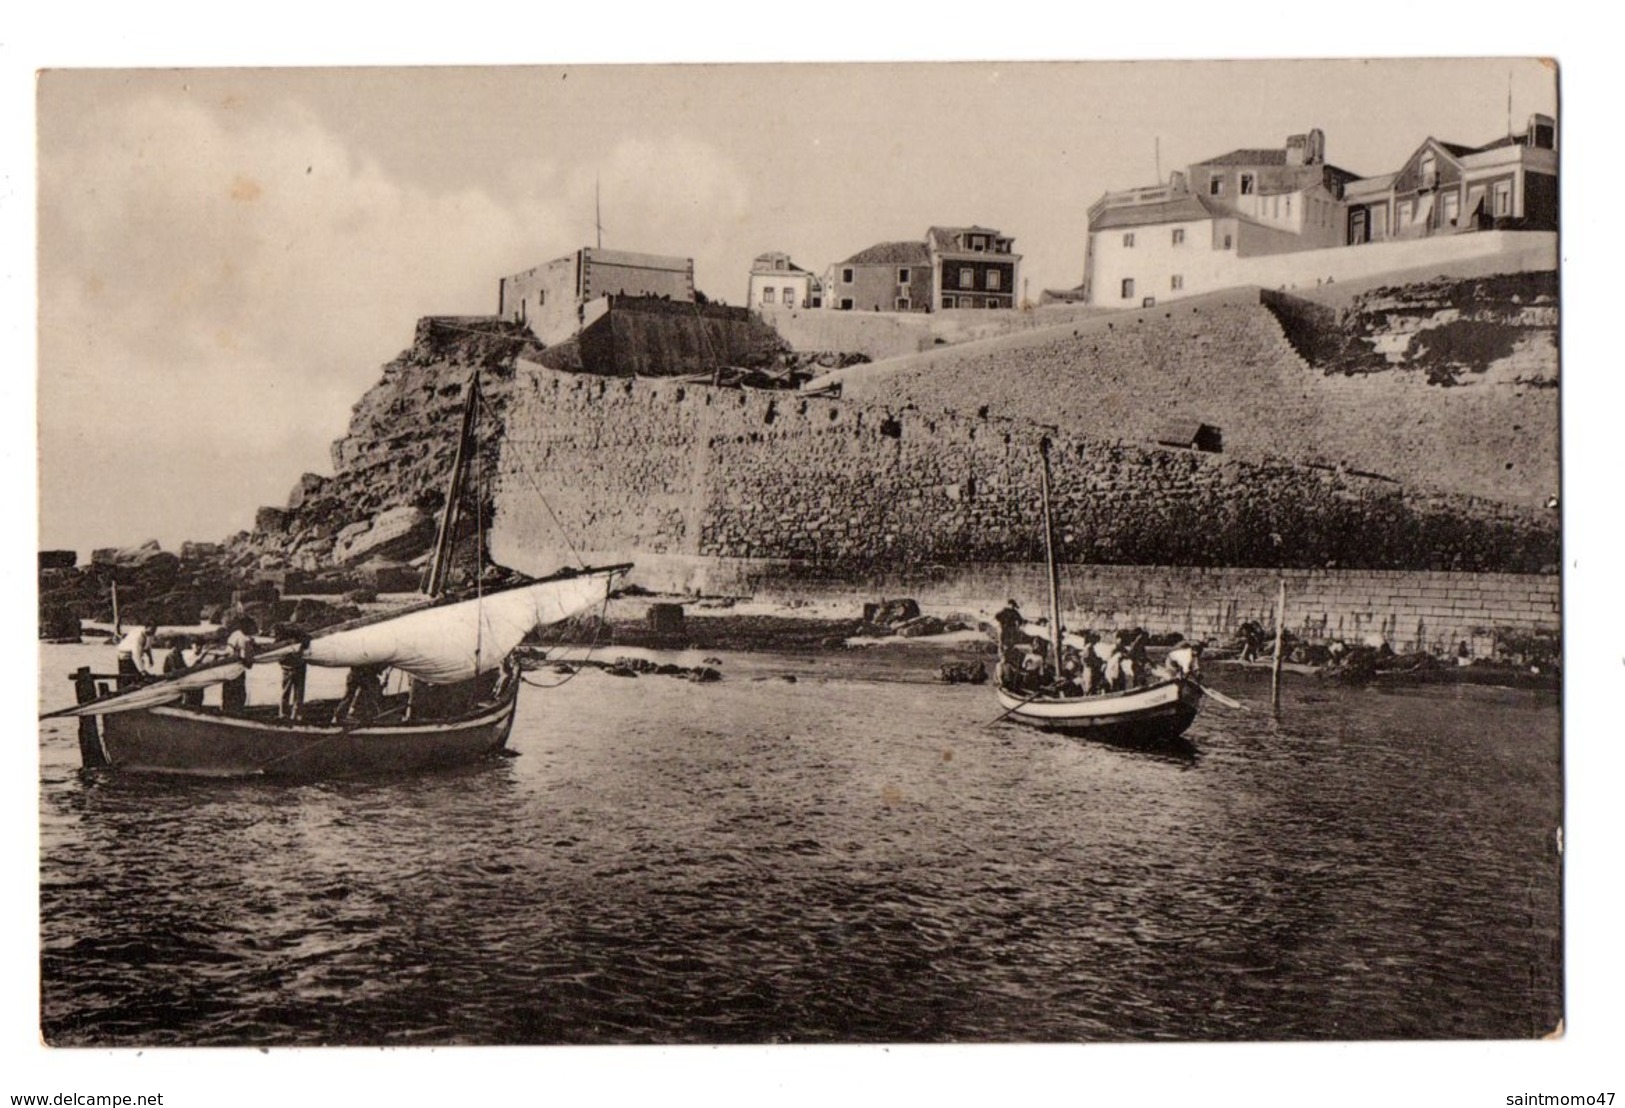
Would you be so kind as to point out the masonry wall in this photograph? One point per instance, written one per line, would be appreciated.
(638, 467)
(1224, 360)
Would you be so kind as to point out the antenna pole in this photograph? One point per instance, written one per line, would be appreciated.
(597, 211)
(1159, 158)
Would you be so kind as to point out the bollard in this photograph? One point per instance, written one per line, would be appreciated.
(91, 755)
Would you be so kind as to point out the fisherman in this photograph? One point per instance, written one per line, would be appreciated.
(1185, 660)
(192, 655)
(1032, 670)
(292, 665)
(363, 695)
(1138, 666)
(1252, 640)
(135, 655)
(239, 645)
(1094, 663)
(1010, 675)
(1114, 669)
(1009, 620)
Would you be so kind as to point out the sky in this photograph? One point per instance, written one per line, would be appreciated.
(227, 256)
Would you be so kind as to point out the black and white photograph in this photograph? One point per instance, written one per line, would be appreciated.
(773, 555)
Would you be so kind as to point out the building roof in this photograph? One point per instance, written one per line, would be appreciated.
(1185, 208)
(891, 253)
(944, 236)
(1276, 156)
(1369, 186)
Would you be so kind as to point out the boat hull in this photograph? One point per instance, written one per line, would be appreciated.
(1158, 713)
(204, 743)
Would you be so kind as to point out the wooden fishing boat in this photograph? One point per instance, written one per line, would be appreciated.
(1158, 713)
(455, 652)
(1152, 714)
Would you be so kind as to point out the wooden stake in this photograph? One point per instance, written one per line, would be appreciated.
(1280, 632)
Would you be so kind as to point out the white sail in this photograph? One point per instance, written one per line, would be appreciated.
(157, 693)
(455, 642)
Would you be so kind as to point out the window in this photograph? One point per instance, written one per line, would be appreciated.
(1430, 171)
(846, 276)
(541, 297)
(1227, 241)
(1289, 207)
(767, 296)
(902, 276)
(1128, 241)
(902, 303)
(1179, 236)
(1407, 212)
(817, 302)
(1452, 208)
(1215, 186)
(992, 279)
(1503, 198)
(978, 243)
(846, 303)
(949, 302)
(789, 298)
(1128, 288)
(1246, 184)
(1176, 282)
(967, 277)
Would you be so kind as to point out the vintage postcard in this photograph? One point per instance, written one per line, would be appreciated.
(954, 553)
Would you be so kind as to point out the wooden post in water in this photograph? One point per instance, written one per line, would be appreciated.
(1280, 633)
(1049, 556)
(90, 739)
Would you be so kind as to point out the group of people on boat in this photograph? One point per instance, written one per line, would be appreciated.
(1089, 664)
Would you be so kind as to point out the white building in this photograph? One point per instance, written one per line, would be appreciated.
(777, 282)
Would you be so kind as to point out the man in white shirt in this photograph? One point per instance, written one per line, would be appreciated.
(135, 655)
(1185, 660)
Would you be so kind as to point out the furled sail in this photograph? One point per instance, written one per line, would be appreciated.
(456, 642)
(157, 693)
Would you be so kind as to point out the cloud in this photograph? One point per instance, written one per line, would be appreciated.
(217, 288)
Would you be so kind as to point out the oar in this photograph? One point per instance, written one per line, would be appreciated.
(1221, 698)
(1023, 704)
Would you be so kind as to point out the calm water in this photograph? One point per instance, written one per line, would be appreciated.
(855, 856)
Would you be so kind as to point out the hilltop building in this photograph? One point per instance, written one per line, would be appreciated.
(1179, 239)
(1244, 217)
(951, 267)
(777, 282)
(1445, 188)
(559, 298)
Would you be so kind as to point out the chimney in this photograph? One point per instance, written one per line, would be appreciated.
(1542, 132)
(1176, 181)
(1316, 152)
(1295, 149)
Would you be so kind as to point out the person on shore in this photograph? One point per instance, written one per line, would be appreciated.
(239, 645)
(135, 655)
(1185, 660)
(292, 664)
(1009, 620)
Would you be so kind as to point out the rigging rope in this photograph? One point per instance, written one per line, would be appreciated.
(571, 676)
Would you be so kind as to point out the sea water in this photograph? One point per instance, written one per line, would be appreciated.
(830, 848)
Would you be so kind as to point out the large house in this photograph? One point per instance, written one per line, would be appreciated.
(1218, 223)
(952, 267)
(559, 298)
(1178, 239)
(1445, 188)
(777, 282)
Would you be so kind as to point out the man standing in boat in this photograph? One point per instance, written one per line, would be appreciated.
(1009, 620)
(240, 645)
(135, 655)
(1185, 660)
(292, 665)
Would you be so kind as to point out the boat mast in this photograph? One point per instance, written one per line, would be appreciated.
(448, 515)
(1049, 555)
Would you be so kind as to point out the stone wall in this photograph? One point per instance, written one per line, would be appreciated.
(1224, 360)
(1412, 610)
(642, 467)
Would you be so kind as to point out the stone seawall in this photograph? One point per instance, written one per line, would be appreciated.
(667, 468)
(1224, 360)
